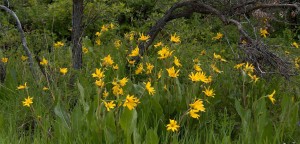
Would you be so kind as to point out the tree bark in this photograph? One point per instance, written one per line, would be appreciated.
(77, 31)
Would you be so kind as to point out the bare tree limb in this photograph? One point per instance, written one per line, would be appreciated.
(23, 39)
(264, 6)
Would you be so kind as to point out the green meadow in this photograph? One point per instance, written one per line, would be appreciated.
(192, 85)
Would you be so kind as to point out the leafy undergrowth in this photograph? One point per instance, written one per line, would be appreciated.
(190, 87)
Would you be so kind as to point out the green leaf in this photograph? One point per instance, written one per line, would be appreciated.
(63, 115)
(156, 107)
(110, 128)
(82, 99)
(151, 137)
(138, 89)
(178, 89)
(128, 122)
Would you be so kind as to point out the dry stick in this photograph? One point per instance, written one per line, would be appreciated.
(23, 39)
(264, 6)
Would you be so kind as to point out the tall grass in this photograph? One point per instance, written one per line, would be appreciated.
(240, 111)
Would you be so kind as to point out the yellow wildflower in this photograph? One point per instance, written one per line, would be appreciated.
(117, 43)
(198, 76)
(149, 68)
(193, 113)
(270, 96)
(63, 70)
(131, 102)
(104, 28)
(117, 90)
(150, 89)
(109, 105)
(116, 67)
(172, 73)
(177, 62)
(209, 92)
(98, 34)
(20, 87)
(254, 78)
(238, 66)
(45, 88)
(295, 45)
(28, 101)
(218, 36)
(85, 50)
(296, 61)
(105, 93)
(219, 57)
(4, 60)
(98, 42)
(158, 44)
(159, 74)
(263, 32)
(139, 69)
(197, 68)
(123, 81)
(100, 83)
(24, 58)
(131, 35)
(287, 52)
(134, 52)
(111, 26)
(208, 79)
(164, 53)
(175, 39)
(107, 61)
(44, 62)
(198, 105)
(173, 126)
(194, 77)
(98, 74)
(131, 62)
(58, 44)
(244, 42)
(216, 69)
(143, 38)
(249, 68)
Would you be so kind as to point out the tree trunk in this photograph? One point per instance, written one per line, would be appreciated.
(77, 31)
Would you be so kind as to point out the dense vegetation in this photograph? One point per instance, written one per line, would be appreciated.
(191, 86)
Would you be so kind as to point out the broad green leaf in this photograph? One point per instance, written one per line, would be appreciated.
(110, 128)
(82, 99)
(128, 122)
(151, 137)
(62, 114)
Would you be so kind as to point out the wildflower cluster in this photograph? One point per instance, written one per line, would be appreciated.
(104, 28)
(27, 101)
(247, 68)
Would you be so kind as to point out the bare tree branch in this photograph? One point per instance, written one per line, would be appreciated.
(264, 6)
(23, 39)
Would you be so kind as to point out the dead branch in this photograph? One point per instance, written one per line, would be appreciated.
(23, 39)
(264, 6)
